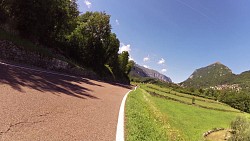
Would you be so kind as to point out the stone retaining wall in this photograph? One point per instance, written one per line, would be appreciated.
(11, 52)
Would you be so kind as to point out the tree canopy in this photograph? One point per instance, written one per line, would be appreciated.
(86, 39)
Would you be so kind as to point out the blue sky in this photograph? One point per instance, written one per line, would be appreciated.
(175, 37)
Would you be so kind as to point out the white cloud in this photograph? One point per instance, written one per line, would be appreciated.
(164, 70)
(162, 61)
(88, 3)
(117, 22)
(145, 59)
(145, 66)
(131, 59)
(124, 47)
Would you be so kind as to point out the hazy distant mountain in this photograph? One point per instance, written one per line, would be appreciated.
(142, 72)
(212, 75)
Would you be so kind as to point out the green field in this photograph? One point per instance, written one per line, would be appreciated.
(153, 118)
(188, 99)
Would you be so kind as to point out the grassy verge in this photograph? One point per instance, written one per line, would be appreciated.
(140, 121)
(153, 118)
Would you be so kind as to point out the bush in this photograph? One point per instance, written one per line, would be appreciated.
(241, 129)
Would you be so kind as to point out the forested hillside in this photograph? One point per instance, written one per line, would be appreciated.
(218, 81)
(212, 75)
(85, 39)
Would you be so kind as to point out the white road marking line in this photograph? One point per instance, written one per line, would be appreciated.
(120, 124)
(42, 71)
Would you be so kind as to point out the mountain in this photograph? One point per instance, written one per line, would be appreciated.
(243, 80)
(141, 72)
(212, 75)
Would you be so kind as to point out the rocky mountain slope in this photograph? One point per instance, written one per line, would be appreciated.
(141, 72)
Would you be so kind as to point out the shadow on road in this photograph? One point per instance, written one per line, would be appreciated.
(43, 82)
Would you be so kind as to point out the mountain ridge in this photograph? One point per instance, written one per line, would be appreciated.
(216, 74)
(138, 71)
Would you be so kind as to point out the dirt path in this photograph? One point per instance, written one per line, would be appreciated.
(40, 106)
(218, 136)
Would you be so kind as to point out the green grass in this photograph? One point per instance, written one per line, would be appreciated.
(178, 93)
(188, 99)
(193, 121)
(140, 121)
(153, 118)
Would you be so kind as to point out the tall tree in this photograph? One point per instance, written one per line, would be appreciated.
(111, 50)
(90, 40)
(123, 61)
(44, 20)
(3, 11)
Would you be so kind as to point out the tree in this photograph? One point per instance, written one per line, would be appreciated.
(201, 91)
(44, 20)
(130, 65)
(111, 50)
(92, 40)
(123, 61)
(4, 15)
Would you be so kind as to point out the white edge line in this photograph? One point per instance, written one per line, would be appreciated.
(37, 70)
(120, 124)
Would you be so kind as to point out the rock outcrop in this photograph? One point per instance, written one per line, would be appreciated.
(139, 71)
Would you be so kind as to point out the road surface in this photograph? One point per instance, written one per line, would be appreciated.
(41, 106)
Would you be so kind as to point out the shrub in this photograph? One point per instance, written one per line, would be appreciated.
(240, 129)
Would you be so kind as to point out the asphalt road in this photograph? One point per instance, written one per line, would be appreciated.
(38, 106)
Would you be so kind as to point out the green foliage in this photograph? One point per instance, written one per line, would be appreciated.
(4, 14)
(212, 75)
(167, 93)
(140, 119)
(243, 80)
(238, 100)
(29, 46)
(241, 129)
(123, 61)
(86, 39)
(147, 117)
(89, 40)
(43, 21)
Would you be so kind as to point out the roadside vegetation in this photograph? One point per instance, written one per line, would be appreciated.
(149, 116)
(141, 119)
(240, 129)
(50, 26)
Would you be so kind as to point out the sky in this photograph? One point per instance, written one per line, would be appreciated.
(175, 37)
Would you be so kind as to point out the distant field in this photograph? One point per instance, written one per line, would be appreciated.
(188, 98)
(153, 118)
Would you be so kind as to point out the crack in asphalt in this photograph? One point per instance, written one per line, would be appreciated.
(19, 123)
(11, 126)
(45, 114)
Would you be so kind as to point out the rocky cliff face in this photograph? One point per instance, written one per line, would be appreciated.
(139, 71)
